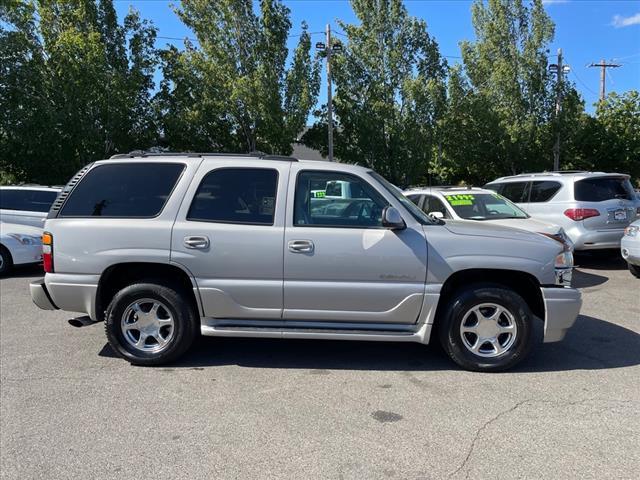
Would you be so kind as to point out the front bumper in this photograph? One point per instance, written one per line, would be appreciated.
(562, 306)
(40, 295)
(630, 249)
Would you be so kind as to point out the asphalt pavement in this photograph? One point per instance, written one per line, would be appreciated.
(245, 408)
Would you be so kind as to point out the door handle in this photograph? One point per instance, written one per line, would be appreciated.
(200, 242)
(301, 246)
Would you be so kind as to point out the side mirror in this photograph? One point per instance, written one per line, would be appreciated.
(438, 215)
(392, 219)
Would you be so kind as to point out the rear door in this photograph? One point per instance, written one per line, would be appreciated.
(612, 196)
(229, 235)
(340, 263)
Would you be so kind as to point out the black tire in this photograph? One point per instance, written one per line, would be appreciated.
(635, 270)
(6, 262)
(178, 305)
(461, 303)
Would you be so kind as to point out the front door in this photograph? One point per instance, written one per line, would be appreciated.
(340, 264)
(229, 235)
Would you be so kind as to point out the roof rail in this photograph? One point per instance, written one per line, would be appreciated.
(145, 154)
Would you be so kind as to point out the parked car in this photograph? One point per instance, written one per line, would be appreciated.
(593, 208)
(162, 247)
(19, 245)
(26, 204)
(477, 204)
(630, 247)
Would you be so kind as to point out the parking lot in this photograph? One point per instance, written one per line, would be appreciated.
(245, 408)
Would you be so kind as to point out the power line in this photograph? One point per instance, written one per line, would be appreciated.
(603, 74)
(583, 83)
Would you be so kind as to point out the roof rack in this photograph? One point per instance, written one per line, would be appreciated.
(145, 154)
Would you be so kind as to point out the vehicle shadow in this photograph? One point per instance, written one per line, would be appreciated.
(592, 344)
(24, 271)
(585, 280)
(607, 260)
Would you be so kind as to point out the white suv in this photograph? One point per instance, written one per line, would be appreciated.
(594, 208)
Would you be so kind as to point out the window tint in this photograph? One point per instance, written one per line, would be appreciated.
(236, 195)
(543, 191)
(358, 205)
(415, 199)
(601, 189)
(514, 191)
(121, 190)
(27, 200)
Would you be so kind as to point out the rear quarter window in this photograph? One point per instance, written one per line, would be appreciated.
(121, 190)
(27, 200)
(543, 191)
(603, 188)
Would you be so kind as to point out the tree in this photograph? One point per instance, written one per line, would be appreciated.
(234, 92)
(508, 95)
(390, 92)
(75, 88)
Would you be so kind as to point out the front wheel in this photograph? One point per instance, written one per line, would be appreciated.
(150, 324)
(487, 328)
(5, 260)
(635, 270)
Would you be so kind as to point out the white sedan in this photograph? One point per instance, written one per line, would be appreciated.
(19, 245)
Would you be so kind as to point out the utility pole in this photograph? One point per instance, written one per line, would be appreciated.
(329, 94)
(560, 71)
(603, 74)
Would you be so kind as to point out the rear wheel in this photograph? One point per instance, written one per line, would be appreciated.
(635, 270)
(6, 262)
(487, 328)
(150, 324)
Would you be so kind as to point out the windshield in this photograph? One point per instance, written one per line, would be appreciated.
(415, 212)
(483, 206)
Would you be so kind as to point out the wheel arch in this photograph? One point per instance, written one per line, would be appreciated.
(523, 283)
(119, 275)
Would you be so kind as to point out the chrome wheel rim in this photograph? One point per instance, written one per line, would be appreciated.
(147, 325)
(488, 330)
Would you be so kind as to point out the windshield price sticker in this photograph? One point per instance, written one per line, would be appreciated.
(460, 199)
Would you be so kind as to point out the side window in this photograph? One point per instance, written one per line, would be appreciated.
(123, 190)
(543, 191)
(359, 205)
(236, 195)
(433, 204)
(13, 199)
(515, 191)
(415, 199)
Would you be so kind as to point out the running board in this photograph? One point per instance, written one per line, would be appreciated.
(316, 333)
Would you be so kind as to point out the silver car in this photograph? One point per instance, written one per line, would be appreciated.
(26, 204)
(593, 208)
(630, 247)
(165, 247)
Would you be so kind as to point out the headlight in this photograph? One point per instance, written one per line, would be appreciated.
(632, 231)
(26, 239)
(562, 238)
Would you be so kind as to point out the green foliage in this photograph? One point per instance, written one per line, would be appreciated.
(234, 92)
(75, 86)
(390, 93)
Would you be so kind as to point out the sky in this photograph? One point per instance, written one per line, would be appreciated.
(588, 31)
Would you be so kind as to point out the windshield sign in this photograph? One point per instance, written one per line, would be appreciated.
(483, 206)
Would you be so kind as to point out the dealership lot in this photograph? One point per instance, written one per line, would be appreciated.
(248, 408)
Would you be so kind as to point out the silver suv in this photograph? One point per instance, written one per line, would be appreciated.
(593, 208)
(163, 248)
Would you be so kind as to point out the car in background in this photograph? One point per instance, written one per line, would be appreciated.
(26, 204)
(593, 208)
(19, 245)
(630, 247)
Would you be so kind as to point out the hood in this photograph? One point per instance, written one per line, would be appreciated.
(492, 230)
(529, 224)
(6, 228)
